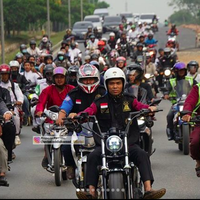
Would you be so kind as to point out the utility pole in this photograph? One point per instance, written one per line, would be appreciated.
(2, 34)
(48, 20)
(126, 6)
(69, 12)
(81, 10)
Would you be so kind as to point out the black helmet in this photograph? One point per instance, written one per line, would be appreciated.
(32, 42)
(140, 45)
(73, 45)
(73, 69)
(48, 56)
(137, 68)
(193, 63)
(48, 69)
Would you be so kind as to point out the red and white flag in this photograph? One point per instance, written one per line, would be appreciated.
(78, 101)
(104, 105)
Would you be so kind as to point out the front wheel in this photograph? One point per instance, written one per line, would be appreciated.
(116, 186)
(57, 167)
(186, 138)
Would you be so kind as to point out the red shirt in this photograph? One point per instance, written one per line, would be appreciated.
(192, 100)
(50, 96)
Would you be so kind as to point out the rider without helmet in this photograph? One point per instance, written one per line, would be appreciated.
(90, 74)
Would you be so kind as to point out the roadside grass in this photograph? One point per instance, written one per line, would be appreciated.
(24, 38)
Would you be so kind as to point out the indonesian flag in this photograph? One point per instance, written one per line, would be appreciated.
(104, 105)
(78, 101)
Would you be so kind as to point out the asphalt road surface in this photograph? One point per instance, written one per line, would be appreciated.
(172, 170)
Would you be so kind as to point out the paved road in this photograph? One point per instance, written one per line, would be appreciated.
(172, 169)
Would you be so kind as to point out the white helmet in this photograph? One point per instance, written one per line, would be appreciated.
(14, 63)
(113, 73)
(112, 34)
(88, 71)
(104, 39)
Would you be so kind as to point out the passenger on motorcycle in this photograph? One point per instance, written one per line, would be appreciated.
(88, 78)
(16, 95)
(7, 115)
(180, 73)
(53, 95)
(33, 50)
(114, 115)
(192, 68)
(192, 104)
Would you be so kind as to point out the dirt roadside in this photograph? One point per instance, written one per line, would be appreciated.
(190, 54)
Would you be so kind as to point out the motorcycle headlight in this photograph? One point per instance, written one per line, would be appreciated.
(151, 53)
(147, 76)
(53, 116)
(181, 108)
(141, 121)
(114, 144)
(30, 96)
(167, 72)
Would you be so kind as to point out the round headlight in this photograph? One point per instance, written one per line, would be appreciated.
(114, 144)
(167, 72)
(54, 116)
(147, 76)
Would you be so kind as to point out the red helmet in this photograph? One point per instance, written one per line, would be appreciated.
(101, 43)
(5, 69)
(121, 59)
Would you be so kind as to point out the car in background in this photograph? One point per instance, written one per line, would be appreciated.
(146, 17)
(80, 29)
(129, 16)
(111, 23)
(136, 17)
(96, 20)
(101, 12)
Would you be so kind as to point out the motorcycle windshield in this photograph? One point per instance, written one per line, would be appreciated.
(183, 88)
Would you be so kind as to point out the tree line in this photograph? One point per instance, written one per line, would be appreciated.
(187, 12)
(23, 15)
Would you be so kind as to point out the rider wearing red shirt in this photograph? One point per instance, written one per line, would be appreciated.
(53, 95)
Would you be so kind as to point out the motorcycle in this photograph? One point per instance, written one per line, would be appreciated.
(181, 129)
(119, 178)
(152, 51)
(53, 137)
(122, 50)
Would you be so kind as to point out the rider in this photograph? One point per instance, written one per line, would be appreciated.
(72, 75)
(22, 82)
(88, 78)
(150, 40)
(33, 50)
(112, 40)
(192, 68)
(16, 95)
(7, 115)
(180, 71)
(45, 44)
(192, 105)
(53, 95)
(173, 29)
(121, 63)
(112, 110)
(42, 84)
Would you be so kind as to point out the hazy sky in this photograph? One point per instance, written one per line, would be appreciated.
(160, 7)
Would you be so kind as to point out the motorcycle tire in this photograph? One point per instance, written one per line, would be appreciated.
(116, 186)
(57, 167)
(186, 139)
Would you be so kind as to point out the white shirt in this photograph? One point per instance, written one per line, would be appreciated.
(35, 52)
(31, 76)
(18, 92)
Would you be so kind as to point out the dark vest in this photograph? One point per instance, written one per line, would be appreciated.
(108, 114)
(82, 100)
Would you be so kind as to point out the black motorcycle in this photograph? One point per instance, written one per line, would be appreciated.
(118, 177)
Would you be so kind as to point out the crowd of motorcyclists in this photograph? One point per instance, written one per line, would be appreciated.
(101, 83)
